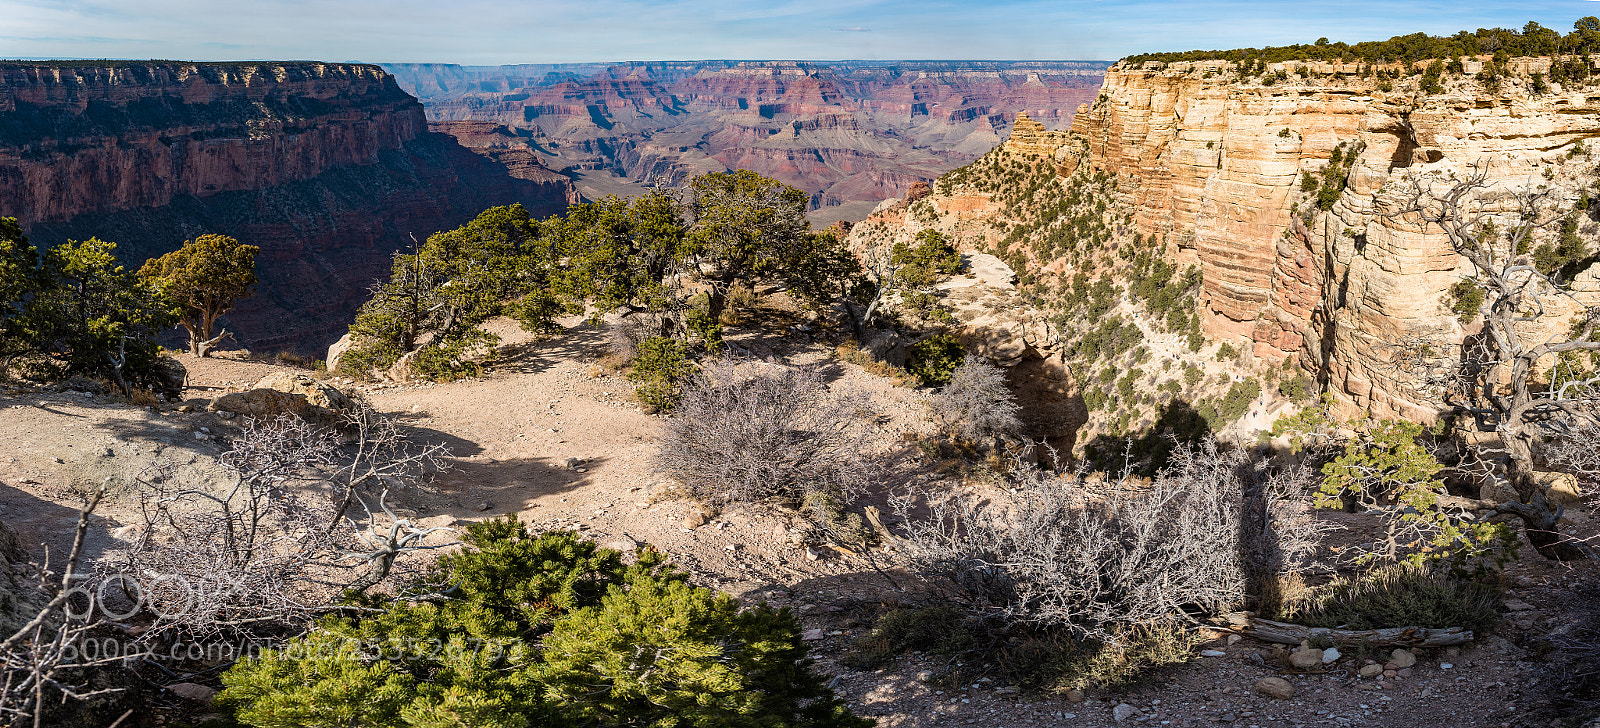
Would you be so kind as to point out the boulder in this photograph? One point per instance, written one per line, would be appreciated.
(286, 393)
(337, 351)
(318, 394)
(885, 346)
(261, 403)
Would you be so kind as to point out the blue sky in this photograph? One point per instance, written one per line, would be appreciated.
(546, 31)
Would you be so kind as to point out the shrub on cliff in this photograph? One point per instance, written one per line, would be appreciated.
(205, 277)
(437, 298)
(544, 630)
(935, 358)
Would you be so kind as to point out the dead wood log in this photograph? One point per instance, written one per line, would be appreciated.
(1267, 630)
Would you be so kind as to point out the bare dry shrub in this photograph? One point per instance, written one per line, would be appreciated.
(1098, 559)
(625, 336)
(977, 403)
(275, 543)
(760, 432)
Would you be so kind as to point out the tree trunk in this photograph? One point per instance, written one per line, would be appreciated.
(1539, 516)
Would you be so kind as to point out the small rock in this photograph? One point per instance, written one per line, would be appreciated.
(732, 547)
(187, 408)
(694, 520)
(811, 635)
(572, 463)
(1452, 652)
(1074, 696)
(813, 554)
(924, 676)
(225, 414)
(1372, 671)
(1213, 653)
(191, 691)
(59, 461)
(1232, 638)
(1330, 655)
(1227, 718)
(625, 545)
(484, 506)
(1123, 711)
(1276, 688)
(1402, 658)
(110, 453)
(1445, 666)
(1517, 605)
(1306, 658)
(199, 435)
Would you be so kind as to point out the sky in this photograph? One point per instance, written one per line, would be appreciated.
(486, 32)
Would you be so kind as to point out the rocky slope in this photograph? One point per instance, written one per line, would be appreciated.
(849, 133)
(1205, 168)
(1213, 164)
(327, 167)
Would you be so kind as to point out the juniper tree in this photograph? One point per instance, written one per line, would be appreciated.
(205, 277)
(437, 297)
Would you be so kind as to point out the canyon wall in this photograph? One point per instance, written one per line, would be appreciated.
(849, 133)
(328, 168)
(1212, 163)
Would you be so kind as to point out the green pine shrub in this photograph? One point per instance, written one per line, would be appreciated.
(659, 371)
(935, 358)
(1398, 596)
(525, 631)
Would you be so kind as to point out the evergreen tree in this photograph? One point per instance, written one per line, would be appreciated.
(523, 631)
(437, 298)
(205, 276)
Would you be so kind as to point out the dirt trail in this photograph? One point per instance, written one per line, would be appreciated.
(511, 433)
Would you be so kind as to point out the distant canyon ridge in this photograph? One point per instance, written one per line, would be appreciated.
(849, 133)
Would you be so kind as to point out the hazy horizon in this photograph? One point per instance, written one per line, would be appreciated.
(489, 33)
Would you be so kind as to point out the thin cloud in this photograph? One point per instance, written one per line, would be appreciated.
(869, 30)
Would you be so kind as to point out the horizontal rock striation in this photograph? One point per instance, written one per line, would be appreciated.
(849, 133)
(328, 168)
(1213, 164)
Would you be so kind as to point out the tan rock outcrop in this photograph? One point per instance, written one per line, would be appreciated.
(1213, 163)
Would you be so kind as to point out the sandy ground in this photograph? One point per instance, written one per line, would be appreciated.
(511, 432)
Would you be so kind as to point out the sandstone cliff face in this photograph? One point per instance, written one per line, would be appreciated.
(1212, 163)
(327, 167)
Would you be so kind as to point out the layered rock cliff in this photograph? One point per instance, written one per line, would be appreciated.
(328, 168)
(849, 133)
(1213, 163)
(1231, 175)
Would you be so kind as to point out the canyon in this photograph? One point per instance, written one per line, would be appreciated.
(1210, 166)
(849, 133)
(328, 168)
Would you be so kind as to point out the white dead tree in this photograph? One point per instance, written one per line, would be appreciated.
(1494, 378)
(277, 543)
(43, 661)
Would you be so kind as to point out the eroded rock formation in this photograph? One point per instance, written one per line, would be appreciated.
(328, 168)
(1212, 163)
(850, 133)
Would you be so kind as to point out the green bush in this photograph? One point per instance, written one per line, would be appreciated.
(1398, 596)
(938, 629)
(1298, 389)
(1466, 297)
(659, 371)
(535, 631)
(934, 359)
(1227, 352)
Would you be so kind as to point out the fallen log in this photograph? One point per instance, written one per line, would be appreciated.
(1267, 630)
